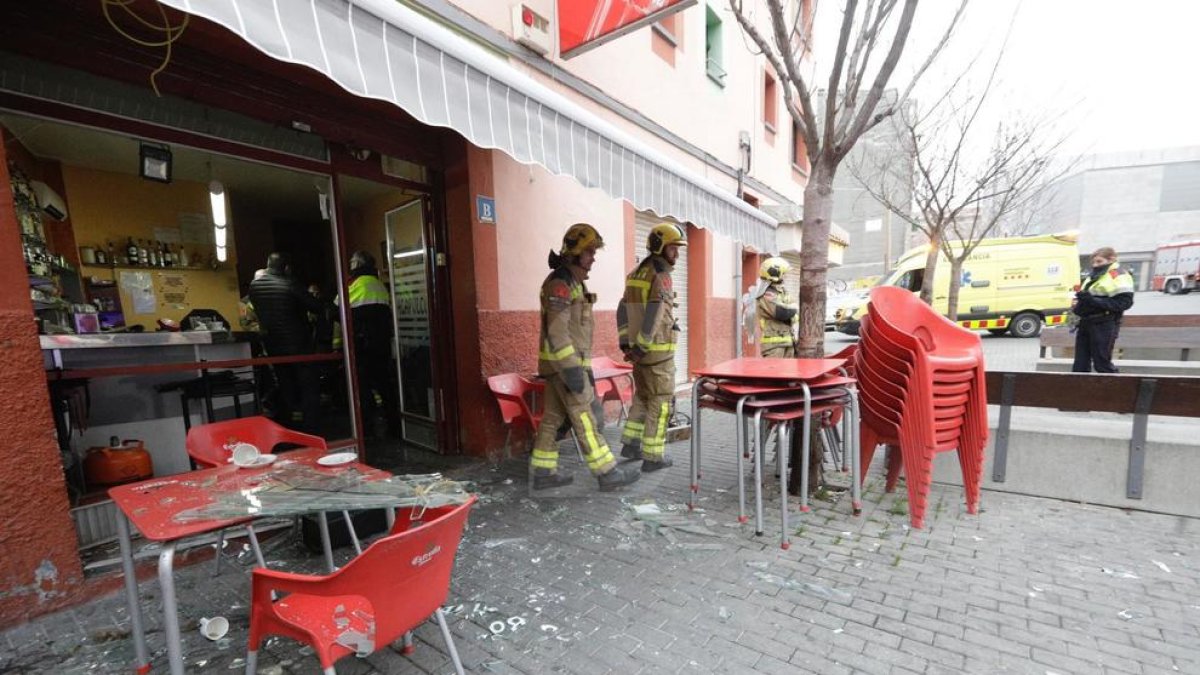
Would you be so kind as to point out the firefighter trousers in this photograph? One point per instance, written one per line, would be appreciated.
(779, 350)
(563, 405)
(653, 388)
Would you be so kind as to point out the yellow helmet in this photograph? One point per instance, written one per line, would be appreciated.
(774, 269)
(579, 238)
(663, 235)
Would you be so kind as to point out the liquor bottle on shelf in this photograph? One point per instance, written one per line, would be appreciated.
(112, 259)
(143, 254)
(131, 252)
(168, 259)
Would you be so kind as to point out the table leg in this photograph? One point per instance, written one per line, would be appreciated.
(253, 537)
(854, 445)
(141, 655)
(323, 526)
(166, 579)
(804, 450)
(694, 470)
(740, 444)
(758, 461)
(783, 449)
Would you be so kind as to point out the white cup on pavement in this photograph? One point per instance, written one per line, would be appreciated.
(244, 454)
(214, 628)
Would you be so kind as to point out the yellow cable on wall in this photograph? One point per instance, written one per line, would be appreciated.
(171, 33)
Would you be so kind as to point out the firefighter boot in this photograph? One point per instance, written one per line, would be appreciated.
(651, 465)
(632, 449)
(618, 476)
(544, 479)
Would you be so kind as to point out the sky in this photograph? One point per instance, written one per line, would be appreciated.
(1123, 73)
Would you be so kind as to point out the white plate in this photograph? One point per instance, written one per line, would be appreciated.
(259, 462)
(338, 459)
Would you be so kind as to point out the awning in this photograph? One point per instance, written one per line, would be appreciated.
(384, 50)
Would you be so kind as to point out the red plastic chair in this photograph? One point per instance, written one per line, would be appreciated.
(610, 390)
(210, 444)
(513, 393)
(377, 598)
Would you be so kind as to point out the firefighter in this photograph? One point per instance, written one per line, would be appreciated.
(1100, 303)
(777, 313)
(648, 333)
(564, 360)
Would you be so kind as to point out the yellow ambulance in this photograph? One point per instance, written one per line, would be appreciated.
(1015, 284)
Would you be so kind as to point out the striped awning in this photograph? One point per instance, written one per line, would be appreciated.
(384, 50)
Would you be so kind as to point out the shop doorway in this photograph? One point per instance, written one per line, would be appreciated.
(394, 223)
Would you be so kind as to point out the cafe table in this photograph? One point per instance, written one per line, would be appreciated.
(750, 384)
(171, 508)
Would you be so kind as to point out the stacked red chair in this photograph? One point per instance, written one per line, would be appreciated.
(922, 387)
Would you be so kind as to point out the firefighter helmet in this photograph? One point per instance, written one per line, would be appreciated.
(773, 269)
(579, 238)
(664, 235)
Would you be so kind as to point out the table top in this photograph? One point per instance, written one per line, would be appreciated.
(617, 370)
(152, 505)
(759, 368)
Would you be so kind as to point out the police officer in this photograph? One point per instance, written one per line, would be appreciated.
(1100, 303)
(371, 313)
(648, 333)
(564, 360)
(777, 312)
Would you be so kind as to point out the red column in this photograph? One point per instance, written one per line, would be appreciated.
(39, 568)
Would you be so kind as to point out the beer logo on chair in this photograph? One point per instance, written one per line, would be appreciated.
(425, 557)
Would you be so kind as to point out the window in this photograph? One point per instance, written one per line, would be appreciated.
(713, 57)
(769, 106)
(665, 36)
(799, 149)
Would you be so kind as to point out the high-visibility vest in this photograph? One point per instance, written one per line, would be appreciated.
(1113, 281)
(368, 290)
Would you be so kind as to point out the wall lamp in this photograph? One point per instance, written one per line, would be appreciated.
(155, 162)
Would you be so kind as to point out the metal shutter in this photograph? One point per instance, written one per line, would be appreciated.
(644, 223)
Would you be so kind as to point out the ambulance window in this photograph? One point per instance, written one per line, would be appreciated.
(911, 280)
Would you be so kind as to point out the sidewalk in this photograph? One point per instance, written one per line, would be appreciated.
(572, 582)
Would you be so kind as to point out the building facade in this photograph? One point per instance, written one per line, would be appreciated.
(1131, 201)
(425, 133)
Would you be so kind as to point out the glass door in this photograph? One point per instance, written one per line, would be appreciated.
(410, 258)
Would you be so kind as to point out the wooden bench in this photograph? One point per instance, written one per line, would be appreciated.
(1145, 340)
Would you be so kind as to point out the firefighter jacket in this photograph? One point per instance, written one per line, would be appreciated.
(1105, 295)
(776, 315)
(566, 333)
(646, 313)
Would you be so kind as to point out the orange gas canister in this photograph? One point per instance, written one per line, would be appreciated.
(121, 462)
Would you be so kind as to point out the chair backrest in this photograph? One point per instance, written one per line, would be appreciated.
(511, 390)
(405, 576)
(209, 444)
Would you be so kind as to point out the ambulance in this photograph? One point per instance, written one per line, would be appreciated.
(1015, 284)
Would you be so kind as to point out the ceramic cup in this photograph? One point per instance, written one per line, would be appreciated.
(244, 454)
(216, 627)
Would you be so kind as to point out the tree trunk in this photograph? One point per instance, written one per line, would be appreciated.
(931, 263)
(956, 265)
(814, 258)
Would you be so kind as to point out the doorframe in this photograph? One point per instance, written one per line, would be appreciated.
(441, 320)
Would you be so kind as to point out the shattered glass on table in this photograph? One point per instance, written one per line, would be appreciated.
(294, 488)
